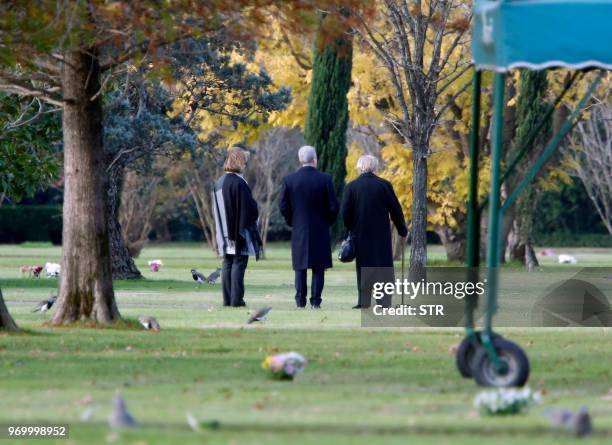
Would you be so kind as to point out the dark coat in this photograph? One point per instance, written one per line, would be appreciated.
(368, 203)
(240, 208)
(309, 204)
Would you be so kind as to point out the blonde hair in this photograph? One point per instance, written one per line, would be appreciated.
(367, 164)
(236, 160)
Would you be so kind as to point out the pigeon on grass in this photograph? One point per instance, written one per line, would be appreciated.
(259, 314)
(120, 417)
(213, 277)
(46, 304)
(149, 323)
(578, 423)
(198, 277)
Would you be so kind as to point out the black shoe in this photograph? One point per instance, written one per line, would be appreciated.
(316, 306)
(300, 307)
(357, 306)
(241, 304)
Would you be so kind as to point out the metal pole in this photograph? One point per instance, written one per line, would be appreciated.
(494, 228)
(473, 216)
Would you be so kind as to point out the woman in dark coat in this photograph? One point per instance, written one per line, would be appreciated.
(369, 201)
(236, 221)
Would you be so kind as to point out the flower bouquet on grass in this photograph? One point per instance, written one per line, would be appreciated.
(506, 401)
(284, 366)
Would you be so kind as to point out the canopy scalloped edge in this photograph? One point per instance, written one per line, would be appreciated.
(545, 65)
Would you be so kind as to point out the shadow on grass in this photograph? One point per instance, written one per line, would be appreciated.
(491, 430)
(142, 284)
(125, 324)
(24, 332)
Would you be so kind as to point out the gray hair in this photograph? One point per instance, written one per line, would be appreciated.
(307, 154)
(367, 164)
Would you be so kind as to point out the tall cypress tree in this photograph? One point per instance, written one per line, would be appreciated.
(531, 107)
(327, 117)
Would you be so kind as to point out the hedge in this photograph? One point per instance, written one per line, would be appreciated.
(30, 223)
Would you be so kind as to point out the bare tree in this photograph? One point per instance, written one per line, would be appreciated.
(275, 157)
(138, 202)
(200, 174)
(591, 159)
(419, 44)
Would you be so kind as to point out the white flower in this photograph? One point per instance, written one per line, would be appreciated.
(506, 400)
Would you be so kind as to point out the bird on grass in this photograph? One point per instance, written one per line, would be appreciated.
(120, 417)
(577, 423)
(149, 323)
(46, 304)
(213, 277)
(259, 314)
(198, 277)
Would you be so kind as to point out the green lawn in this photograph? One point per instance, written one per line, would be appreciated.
(360, 386)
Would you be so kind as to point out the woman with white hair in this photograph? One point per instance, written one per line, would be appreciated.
(368, 206)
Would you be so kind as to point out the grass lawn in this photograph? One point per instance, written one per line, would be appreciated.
(361, 386)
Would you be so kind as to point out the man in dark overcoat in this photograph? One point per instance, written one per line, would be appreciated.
(309, 204)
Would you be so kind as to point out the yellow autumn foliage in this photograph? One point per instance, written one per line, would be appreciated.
(370, 95)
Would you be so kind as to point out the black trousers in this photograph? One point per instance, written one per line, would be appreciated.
(316, 287)
(234, 267)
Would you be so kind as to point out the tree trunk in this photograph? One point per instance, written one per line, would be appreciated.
(203, 202)
(418, 247)
(86, 287)
(6, 321)
(454, 241)
(531, 260)
(266, 212)
(506, 229)
(122, 263)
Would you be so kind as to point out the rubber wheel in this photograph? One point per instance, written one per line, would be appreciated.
(512, 355)
(466, 354)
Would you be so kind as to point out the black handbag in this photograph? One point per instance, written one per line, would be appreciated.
(347, 249)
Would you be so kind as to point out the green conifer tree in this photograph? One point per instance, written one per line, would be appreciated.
(327, 117)
(530, 108)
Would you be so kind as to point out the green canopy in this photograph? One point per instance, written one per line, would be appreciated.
(539, 34)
